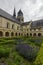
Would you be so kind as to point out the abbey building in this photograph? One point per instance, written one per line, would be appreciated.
(11, 26)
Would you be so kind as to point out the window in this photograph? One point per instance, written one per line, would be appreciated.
(7, 25)
(12, 26)
(17, 27)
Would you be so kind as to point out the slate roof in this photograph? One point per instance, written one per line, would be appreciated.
(8, 16)
(20, 11)
(25, 23)
(37, 23)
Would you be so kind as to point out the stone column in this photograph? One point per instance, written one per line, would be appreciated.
(10, 34)
(4, 34)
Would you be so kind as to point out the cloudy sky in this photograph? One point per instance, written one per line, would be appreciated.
(32, 9)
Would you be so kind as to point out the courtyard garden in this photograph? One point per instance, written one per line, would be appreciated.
(21, 51)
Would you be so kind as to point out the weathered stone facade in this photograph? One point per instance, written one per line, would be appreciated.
(10, 27)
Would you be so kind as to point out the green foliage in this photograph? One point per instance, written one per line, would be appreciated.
(39, 59)
(7, 42)
(4, 52)
(19, 60)
(34, 41)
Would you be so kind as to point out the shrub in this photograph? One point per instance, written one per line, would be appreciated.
(7, 42)
(4, 52)
(39, 58)
(37, 42)
(27, 51)
(1, 40)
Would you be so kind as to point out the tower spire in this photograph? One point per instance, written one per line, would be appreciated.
(14, 14)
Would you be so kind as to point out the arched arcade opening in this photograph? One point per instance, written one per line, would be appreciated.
(34, 34)
(39, 34)
(12, 34)
(1, 33)
(7, 34)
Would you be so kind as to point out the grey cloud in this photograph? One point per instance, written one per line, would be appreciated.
(41, 9)
(33, 1)
(31, 8)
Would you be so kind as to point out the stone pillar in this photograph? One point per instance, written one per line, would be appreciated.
(36, 34)
(4, 34)
(10, 34)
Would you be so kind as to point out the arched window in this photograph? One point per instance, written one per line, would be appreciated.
(34, 34)
(1, 33)
(39, 34)
(17, 27)
(8, 25)
(19, 34)
(12, 34)
(16, 34)
(12, 26)
(7, 34)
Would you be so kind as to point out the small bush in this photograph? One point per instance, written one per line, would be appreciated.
(36, 42)
(4, 52)
(7, 42)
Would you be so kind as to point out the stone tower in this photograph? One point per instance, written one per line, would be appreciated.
(20, 16)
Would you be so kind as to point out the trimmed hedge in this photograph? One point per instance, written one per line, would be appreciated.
(8, 42)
